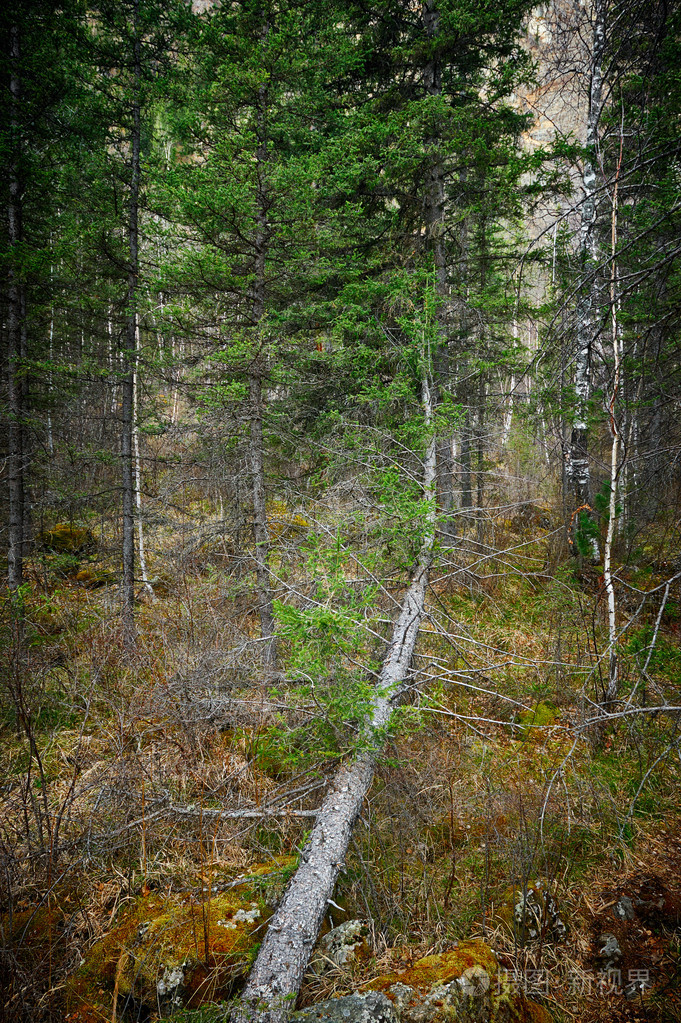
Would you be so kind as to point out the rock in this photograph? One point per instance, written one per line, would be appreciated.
(66, 539)
(464, 984)
(370, 1007)
(624, 908)
(608, 949)
(169, 988)
(155, 956)
(532, 914)
(341, 946)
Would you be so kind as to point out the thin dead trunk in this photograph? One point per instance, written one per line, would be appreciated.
(465, 462)
(480, 453)
(50, 387)
(587, 305)
(15, 556)
(277, 973)
(129, 355)
(261, 533)
(138, 475)
(256, 450)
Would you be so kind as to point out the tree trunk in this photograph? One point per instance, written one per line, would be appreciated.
(261, 534)
(445, 467)
(138, 475)
(465, 462)
(15, 469)
(480, 458)
(613, 668)
(256, 451)
(435, 196)
(435, 190)
(129, 355)
(277, 973)
(587, 305)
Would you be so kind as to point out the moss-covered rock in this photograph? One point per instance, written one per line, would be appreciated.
(170, 952)
(94, 578)
(463, 984)
(66, 539)
(531, 914)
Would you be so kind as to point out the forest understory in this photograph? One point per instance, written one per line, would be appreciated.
(141, 789)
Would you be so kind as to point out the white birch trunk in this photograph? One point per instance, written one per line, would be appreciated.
(613, 680)
(587, 306)
(138, 476)
(508, 415)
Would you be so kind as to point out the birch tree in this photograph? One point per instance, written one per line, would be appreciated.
(587, 312)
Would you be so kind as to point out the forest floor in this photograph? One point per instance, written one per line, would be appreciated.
(121, 773)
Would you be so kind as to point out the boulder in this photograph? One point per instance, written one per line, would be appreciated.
(463, 984)
(169, 952)
(369, 1007)
(66, 539)
(532, 914)
(341, 946)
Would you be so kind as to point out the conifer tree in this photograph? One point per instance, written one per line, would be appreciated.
(39, 134)
(134, 48)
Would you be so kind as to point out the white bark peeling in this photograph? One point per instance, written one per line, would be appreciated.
(277, 973)
(613, 670)
(578, 462)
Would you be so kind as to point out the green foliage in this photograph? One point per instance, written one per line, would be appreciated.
(665, 658)
(602, 502)
(586, 534)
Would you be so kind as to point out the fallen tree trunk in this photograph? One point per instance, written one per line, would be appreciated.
(276, 976)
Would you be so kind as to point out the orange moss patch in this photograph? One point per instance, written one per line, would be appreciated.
(158, 952)
(463, 984)
(436, 970)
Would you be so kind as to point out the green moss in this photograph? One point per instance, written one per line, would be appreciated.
(284, 864)
(32, 930)
(665, 659)
(93, 578)
(530, 721)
